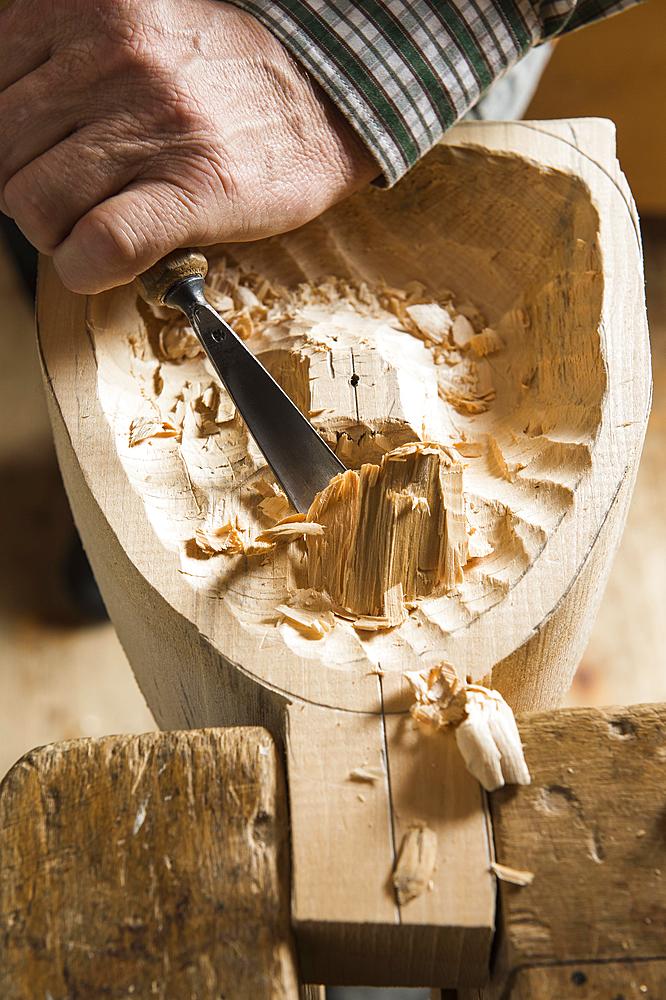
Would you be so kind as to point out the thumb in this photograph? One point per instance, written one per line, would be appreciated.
(126, 234)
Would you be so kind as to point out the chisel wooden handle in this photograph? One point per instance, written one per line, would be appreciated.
(155, 283)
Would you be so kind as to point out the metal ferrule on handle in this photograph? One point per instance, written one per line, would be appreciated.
(156, 283)
(301, 460)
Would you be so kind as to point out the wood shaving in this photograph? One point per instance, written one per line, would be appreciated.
(431, 320)
(220, 302)
(289, 529)
(464, 403)
(462, 331)
(486, 342)
(368, 623)
(142, 429)
(368, 774)
(485, 727)
(516, 876)
(178, 343)
(225, 540)
(275, 507)
(250, 300)
(436, 691)
(416, 863)
(469, 449)
(313, 624)
(489, 741)
(265, 488)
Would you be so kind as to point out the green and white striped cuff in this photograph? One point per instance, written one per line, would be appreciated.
(403, 72)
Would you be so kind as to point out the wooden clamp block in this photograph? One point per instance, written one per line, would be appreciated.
(156, 866)
(592, 829)
(531, 222)
(147, 866)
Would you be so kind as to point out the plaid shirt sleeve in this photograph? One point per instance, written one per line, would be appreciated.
(404, 72)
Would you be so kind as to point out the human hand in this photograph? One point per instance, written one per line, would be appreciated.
(131, 127)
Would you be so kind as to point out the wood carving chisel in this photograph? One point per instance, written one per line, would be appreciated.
(301, 460)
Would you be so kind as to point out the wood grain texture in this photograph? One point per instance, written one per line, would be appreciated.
(479, 158)
(346, 838)
(199, 664)
(590, 981)
(592, 828)
(146, 866)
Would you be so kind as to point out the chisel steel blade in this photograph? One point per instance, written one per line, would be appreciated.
(301, 460)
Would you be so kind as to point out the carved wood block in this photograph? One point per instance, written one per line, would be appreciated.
(534, 225)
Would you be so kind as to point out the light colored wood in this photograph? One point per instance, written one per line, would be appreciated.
(339, 843)
(346, 837)
(625, 660)
(477, 644)
(451, 922)
(616, 69)
(534, 224)
(591, 828)
(146, 866)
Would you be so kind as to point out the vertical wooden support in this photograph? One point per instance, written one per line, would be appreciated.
(346, 837)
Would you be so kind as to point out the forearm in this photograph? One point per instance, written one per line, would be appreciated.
(403, 72)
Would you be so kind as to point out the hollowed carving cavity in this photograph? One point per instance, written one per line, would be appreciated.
(454, 364)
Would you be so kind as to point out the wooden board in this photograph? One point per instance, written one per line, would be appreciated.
(199, 665)
(591, 829)
(147, 866)
(346, 840)
(590, 981)
(625, 660)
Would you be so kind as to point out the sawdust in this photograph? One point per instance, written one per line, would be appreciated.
(401, 383)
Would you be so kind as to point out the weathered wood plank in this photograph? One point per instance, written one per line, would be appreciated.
(592, 828)
(147, 866)
(592, 981)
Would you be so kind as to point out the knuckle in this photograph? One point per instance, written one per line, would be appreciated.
(108, 239)
(116, 42)
(34, 210)
(172, 107)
